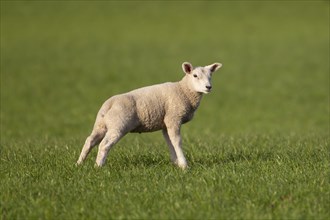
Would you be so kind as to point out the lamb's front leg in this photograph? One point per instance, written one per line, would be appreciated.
(170, 146)
(175, 139)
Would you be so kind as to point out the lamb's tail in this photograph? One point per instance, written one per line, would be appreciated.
(100, 127)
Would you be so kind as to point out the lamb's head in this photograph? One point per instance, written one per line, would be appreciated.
(199, 78)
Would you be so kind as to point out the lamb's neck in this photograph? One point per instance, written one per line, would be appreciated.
(193, 96)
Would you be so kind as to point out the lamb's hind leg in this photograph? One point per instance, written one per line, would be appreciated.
(91, 141)
(109, 140)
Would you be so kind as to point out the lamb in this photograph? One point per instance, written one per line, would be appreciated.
(159, 107)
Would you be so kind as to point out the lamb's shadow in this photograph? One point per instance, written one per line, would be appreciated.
(144, 160)
(153, 160)
(214, 160)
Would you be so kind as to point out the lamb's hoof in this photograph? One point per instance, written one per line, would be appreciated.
(78, 163)
(183, 166)
(97, 166)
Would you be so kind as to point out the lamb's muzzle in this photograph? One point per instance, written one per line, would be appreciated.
(159, 107)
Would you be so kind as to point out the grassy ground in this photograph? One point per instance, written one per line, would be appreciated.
(258, 147)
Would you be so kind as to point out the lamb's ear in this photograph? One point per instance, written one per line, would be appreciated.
(214, 67)
(187, 67)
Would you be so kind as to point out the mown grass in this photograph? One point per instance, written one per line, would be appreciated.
(238, 177)
(258, 147)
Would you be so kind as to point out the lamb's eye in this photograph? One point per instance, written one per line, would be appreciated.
(195, 75)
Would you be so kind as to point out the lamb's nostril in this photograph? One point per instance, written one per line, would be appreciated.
(208, 87)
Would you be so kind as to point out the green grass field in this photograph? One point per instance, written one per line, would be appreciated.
(258, 147)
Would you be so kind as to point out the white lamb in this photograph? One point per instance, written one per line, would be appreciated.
(159, 107)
